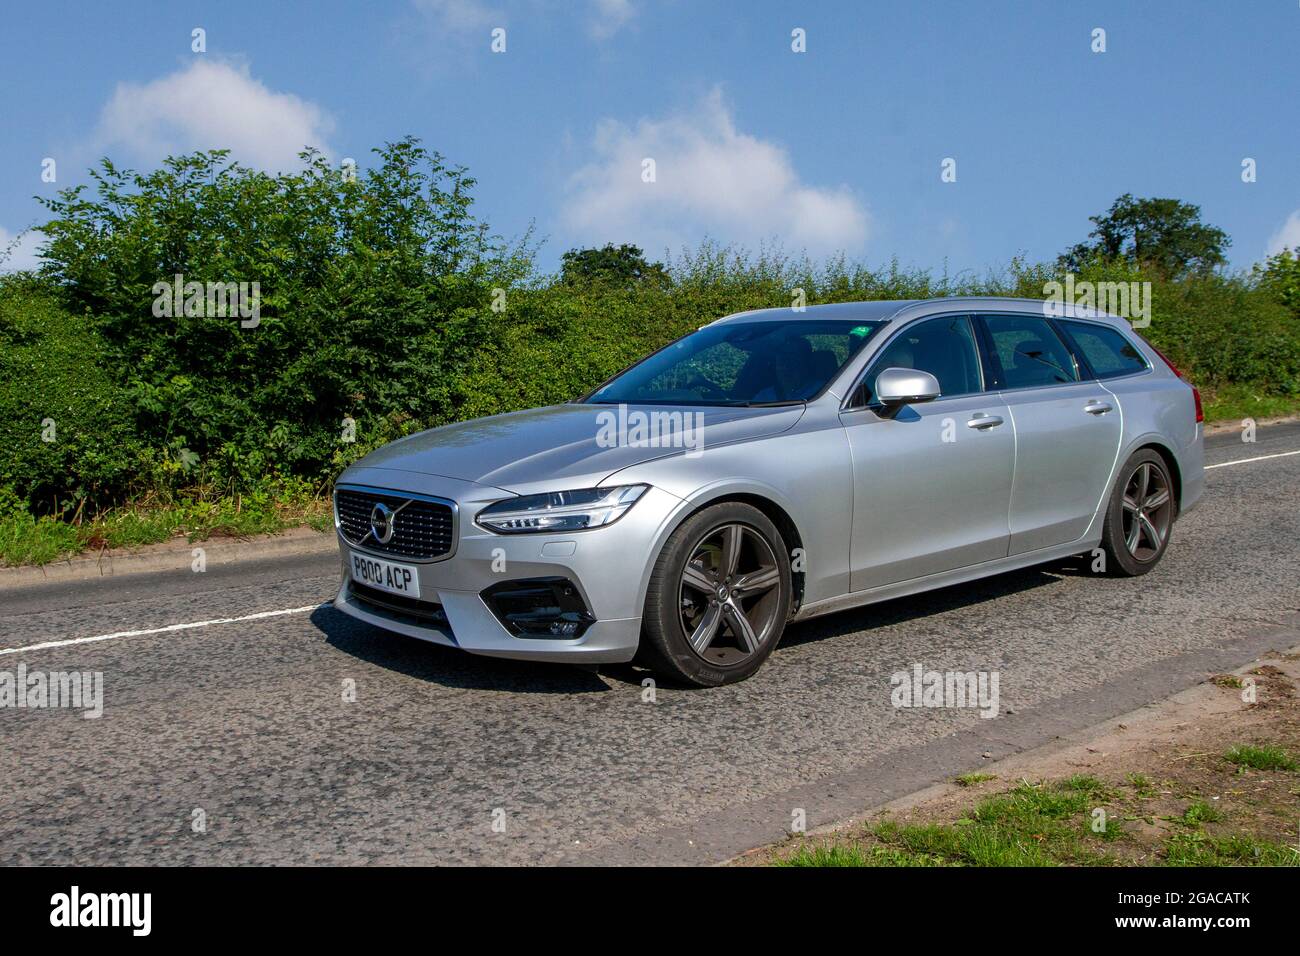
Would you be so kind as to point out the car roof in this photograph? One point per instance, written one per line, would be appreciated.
(880, 311)
(889, 310)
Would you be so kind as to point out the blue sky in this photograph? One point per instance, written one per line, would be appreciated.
(836, 148)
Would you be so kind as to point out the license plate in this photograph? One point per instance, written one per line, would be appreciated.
(386, 575)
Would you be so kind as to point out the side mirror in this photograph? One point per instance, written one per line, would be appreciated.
(905, 386)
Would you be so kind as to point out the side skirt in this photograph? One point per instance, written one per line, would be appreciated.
(943, 579)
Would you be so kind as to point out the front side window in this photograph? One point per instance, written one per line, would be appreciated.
(1030, 352)
(1106, 349)
(742, 363)
(944, 347)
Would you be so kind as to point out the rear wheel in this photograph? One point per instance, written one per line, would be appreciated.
(1140, 516)
(718, 597)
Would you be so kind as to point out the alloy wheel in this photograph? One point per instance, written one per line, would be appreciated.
(730, 594)
(1148, 511)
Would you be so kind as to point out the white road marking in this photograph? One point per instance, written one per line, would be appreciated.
(1246, 461)
(261, 615)
(161, 630)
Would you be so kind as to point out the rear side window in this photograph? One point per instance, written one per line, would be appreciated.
(1030, 352)
(1106, 349)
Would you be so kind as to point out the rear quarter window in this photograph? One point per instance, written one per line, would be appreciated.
(1107, 350)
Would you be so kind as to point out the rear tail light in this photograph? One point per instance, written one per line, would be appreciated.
(1172, 367)
(1196, 392)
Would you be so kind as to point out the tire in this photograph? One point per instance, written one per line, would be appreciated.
(1136, 532)
(736, 617)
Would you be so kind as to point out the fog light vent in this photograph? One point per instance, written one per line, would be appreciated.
(539, 607)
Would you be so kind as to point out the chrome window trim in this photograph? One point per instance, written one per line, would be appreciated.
(394, 493)
(1036, 388)
(1119, 378)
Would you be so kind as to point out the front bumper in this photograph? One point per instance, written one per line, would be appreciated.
(609, 567)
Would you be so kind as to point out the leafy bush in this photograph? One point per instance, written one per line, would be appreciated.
(1223, 330)
(1279, 275)
(555, 341)
(372, 291)
(65, 426)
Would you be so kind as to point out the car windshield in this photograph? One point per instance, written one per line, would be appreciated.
(742, 363)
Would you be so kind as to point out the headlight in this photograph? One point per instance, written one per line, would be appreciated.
(560, 510)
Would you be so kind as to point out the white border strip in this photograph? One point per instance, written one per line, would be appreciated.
(1245, 461)
(261, 615)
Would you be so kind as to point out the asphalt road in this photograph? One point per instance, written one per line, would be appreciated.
(449, 758)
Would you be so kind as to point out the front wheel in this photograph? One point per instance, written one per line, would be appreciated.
(718, 597)
(1140, 515)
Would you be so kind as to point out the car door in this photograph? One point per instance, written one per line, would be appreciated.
(1067, 430)
(932, 480)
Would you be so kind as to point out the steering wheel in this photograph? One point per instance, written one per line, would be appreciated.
(698, 380)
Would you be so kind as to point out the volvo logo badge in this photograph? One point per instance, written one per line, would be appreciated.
(382, 524)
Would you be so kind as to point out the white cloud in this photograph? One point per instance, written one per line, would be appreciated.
(18, 252)
(213, 104)
(608, 17)
(1287, 237)
(711, 180)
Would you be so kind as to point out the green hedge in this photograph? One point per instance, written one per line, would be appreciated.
(556, 341)
(385, 302)
(56, 383)
(119, 436)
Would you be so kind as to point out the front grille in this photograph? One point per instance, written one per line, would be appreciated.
(422, 529)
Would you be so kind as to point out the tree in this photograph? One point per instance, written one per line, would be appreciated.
(617, 265)
(1280, 275)
(1164, 235)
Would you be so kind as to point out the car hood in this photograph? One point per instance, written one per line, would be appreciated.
(520, 449)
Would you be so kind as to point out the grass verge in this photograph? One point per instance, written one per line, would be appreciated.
(1234, 403)
(1217, 785)
(27, 540)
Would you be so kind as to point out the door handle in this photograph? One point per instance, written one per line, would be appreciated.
(1097, 407)
(981, 420)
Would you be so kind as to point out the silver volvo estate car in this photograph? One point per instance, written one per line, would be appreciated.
(773, 466)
